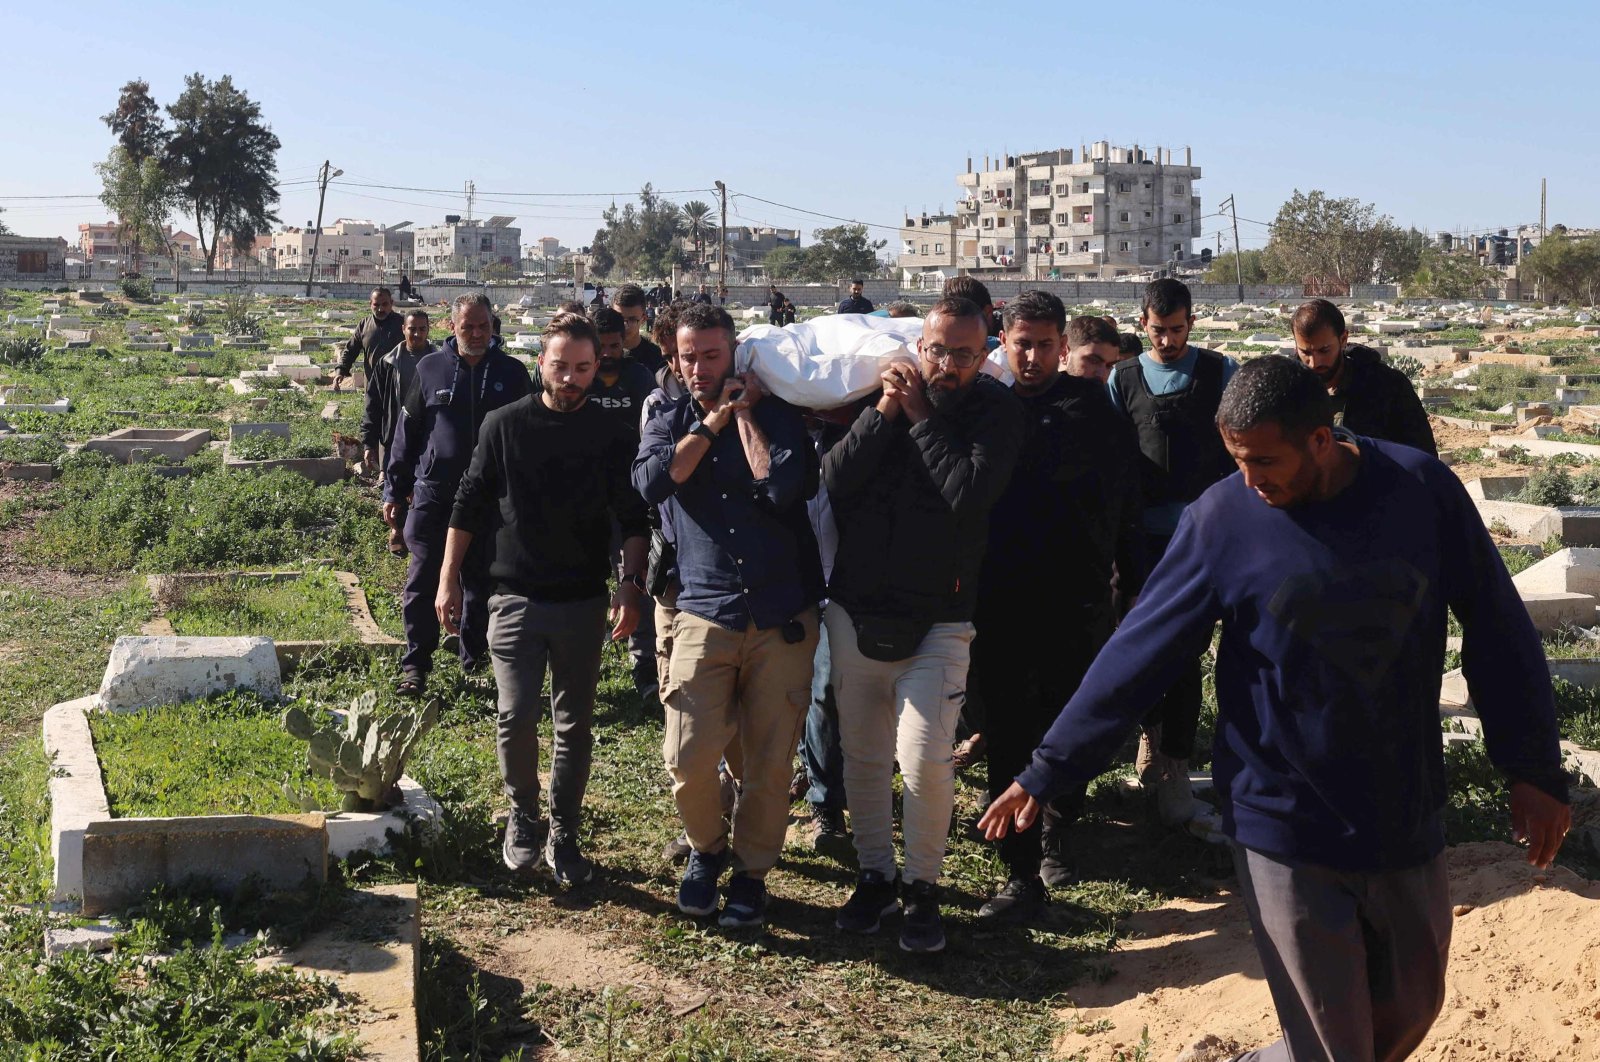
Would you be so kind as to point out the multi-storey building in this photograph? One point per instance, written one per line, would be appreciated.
(928, 247)
(346, 250)
(1098, 213)
(467, 246)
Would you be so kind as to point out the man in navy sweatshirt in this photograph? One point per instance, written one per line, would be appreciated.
(1330, 560)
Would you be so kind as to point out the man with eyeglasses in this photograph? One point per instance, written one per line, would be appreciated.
(911, 485)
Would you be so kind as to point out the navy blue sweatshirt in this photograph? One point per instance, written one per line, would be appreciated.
(1333, 625)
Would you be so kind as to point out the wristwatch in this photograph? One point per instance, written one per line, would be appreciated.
(636, 581)
(702, 429)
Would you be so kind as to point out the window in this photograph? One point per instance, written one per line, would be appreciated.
(1147, 186)
(1177, 188)
(1177, 217)
(1177, 248)
(1038, 187)
(1124, 216)
(486, 244)
(1061, 219)
(1062, 247)
(1083, 188)
(1122, 186)
(988, 223)
(924, 248)
(1084, 246)
(366, 252)
(938, 248)
(1061, 189)
(1124, 246)
(1147, 243)
(988, 249)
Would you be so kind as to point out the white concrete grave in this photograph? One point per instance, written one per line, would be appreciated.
(145, 671)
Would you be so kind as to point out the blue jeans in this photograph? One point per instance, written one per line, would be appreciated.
(819, 745)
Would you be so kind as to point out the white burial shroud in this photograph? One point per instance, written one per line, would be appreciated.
(831, 361)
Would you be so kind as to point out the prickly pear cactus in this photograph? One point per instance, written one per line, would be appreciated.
(366, 756)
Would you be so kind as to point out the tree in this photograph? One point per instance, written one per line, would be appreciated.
(137, 123)
(701, 229)
(1320, 239)
(1566, 270)
(1449, 276)
(784, 263)
(642, 241)
(141, 196)
(3, 230)
(842, 251)
(1400, 254)
(224, 162)
(1252, 267)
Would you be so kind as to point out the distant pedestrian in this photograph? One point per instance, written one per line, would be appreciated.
(375, 336)
(387, 387)
(856, 302)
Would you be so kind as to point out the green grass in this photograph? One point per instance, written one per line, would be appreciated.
(307, 438)
(310, 607)
(225, 755)
(40, 450)
(1578, 714)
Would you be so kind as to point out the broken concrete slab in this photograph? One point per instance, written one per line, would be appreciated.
(1574, 570)
(145, 671)
(77, 790)
(1554, 612)
(123, 859)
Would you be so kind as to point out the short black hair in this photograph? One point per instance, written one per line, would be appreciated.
(699, 316)
(1081, 331)
(1131, 343)
(954, 308)
(1273, 389)
(858, 280)
(606, 320)
(1313, 316)
(629, 295)
(381, 291)
(1034, 306)
(573, 306)
(1165, 297)
(969, 288)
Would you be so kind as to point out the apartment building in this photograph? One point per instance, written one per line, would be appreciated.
(928, 248)
(98, 240)
(1100, 212)
(346, 250)
(748, 247)
(466, 246)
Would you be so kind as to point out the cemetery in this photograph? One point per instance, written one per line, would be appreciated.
(209, 780)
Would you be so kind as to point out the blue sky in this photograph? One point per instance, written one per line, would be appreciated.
(1444, 115)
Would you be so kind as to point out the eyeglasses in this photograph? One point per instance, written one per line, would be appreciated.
(961, 359)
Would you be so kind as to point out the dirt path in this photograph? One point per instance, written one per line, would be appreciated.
(1524, 981)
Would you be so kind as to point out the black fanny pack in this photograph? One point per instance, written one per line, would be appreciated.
(889, 638)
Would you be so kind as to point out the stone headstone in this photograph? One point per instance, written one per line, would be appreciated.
(147, 670)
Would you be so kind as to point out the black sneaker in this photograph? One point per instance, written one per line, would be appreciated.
(569, 864)
(677, 849)
(746, 903)
(697, 892)
(524, 839)
(923, 929)
(875, 896)
(827, 832)
(1019, 900)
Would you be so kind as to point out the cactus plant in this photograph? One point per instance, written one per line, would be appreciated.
(366, 756)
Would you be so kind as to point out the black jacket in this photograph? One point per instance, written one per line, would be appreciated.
(912, 505)
(1378, 400)
(372, 339)
(387, 385)
(1068, 522)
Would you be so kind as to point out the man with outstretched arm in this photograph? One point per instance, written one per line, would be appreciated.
(376, 335)
(548, 477)
(1331, 560)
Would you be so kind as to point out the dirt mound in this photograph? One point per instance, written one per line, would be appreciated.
(1524, 980)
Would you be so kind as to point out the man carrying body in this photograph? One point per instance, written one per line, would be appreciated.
(1171, 395)
(857, 302)
(732, 471)
(1369, 397)
(387, 386)
(1093, 348)
(911, 485)
(455, 388)
(632, 303)
(375, 336)
(1331, 561)
(1065, 528)
(548, 477)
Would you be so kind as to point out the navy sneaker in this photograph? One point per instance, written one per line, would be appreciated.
(525, 833)
(875, 896)
(697, 892)
(569, 863)
(746, 903)
(923, 929)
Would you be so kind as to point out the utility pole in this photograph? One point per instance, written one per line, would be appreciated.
(722, 240)
(1542, 189)
(1238, 259)
(324, 175)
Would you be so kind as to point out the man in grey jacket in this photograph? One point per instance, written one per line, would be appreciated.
(387, 385)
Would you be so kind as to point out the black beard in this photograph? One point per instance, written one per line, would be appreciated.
(941, 399)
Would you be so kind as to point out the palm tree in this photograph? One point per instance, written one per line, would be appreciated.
(697, 215)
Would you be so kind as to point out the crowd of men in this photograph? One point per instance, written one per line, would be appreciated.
(932, 573)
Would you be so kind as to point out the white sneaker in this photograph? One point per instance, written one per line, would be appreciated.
(1175, 801)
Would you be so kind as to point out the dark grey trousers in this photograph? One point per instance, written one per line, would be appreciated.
(1355, 961)
(525, 637)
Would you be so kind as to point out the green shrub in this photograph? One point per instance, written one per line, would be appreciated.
(305, 440)
(22, 350)
(137, 289)
(1586, 486)
(237, 318)
(1408, 365)
(32, 450)
(193, 318)
(1548, 486)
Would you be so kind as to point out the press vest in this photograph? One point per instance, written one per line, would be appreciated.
(1183, 451)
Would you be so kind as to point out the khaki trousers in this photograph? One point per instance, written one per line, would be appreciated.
(749, 688)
